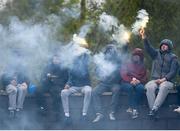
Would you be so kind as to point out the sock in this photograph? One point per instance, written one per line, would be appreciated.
(67, 114)
(84, 114)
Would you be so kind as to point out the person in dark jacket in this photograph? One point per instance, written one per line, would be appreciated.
(164, 69)
(108, 83)
(134, 76)
(16, 83)
(54, 78)
(78, 81)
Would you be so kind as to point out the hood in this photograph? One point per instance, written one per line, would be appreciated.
(139, 52)
(167, 42)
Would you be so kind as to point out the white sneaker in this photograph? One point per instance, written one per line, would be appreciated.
(177, 110)
(129, 110)
(111, 116)
(134, 114)
(99, 116)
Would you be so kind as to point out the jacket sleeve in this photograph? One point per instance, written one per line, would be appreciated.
(150, 49)
(173, 69)
(69, 82)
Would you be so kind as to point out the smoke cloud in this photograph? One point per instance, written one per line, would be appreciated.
(141, 21)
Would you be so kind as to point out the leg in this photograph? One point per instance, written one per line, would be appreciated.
(56, 99)
(151, 87)
(87, 98)
(65, 98)
(12, 94)
(139, 90)
(127, 87)
(163, 92)
(22, 91)
(115, 97)
(97, 92)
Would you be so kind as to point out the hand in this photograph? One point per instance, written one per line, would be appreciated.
(159, 81)
(142, 33)
(66, 87)
(135, 81)
(48, 75)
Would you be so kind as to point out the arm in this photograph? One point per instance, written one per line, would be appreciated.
(149, 49)
(173, 69)
(147, 45)
(69, 82)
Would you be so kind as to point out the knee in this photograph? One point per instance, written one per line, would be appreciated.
(140, 89)
(12, 90)
(87, 90)
(95, 91)
(115, 90)
(22, 88)
(150, 87)
(64, 93)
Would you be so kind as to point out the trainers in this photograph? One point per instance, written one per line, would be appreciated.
(99, 116)
(152, 112)
(67, 121)
(84, 118)
(134, 114)
(129, 110)
(177, 110)
(111, 116)
(11, 113)
(18, 113)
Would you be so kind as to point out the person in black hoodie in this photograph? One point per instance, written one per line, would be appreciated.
(111, 82)
(53, 80)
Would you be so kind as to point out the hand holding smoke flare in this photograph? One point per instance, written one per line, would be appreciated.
(74, 49)
(80, 41)
(121, 35)
(141, 22)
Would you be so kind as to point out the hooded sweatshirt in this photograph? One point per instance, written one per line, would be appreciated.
(165, 63)
(136, 70)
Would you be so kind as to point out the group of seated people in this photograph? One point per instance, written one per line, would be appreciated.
(130, 76)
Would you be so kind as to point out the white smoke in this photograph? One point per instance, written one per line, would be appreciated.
(141, 21)
(3, 3)
(36, 42)
(110, 23)
(32, 41)
(104, 67)
(95, 4)
(121, 35)
(107, 22)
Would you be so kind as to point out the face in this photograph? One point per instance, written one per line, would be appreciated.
(164, 47)
(56, 60)
(136, 58)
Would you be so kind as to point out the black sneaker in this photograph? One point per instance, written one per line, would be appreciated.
(153, 114)
(67, 121)
(18, 113)
(84, 118)
(11, 114)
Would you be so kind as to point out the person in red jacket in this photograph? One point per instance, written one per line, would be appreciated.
(134, 76)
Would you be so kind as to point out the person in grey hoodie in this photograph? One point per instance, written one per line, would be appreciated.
(164, 69)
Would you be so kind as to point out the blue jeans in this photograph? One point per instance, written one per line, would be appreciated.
(135, 93)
